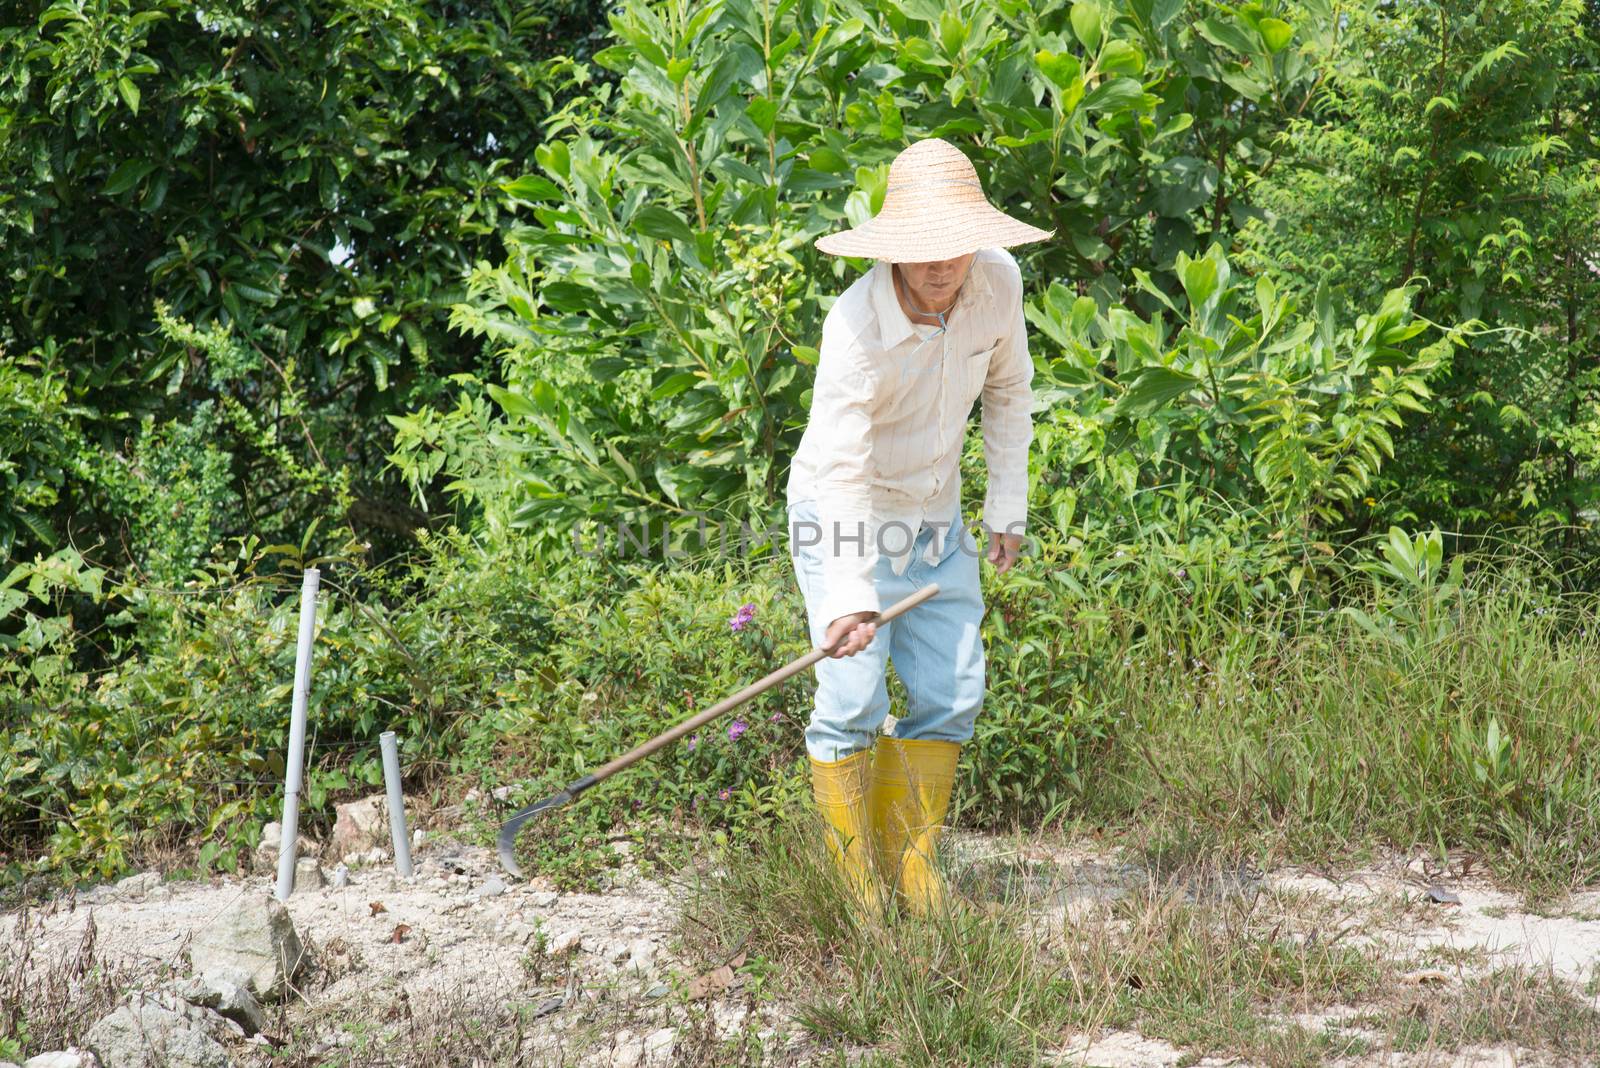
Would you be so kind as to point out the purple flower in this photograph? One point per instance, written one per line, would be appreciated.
(694, 740)
(725, 793)
(747, 612)
(736, 729)
(776, 716)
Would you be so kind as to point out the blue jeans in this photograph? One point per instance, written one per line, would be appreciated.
(936, 648)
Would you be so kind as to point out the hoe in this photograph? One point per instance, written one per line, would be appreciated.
(509, 829)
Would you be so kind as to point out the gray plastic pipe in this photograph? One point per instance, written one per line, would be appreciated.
(297, 733)
(397, 803)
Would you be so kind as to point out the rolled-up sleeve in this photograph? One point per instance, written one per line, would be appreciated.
(842, 406)
(1008, 423)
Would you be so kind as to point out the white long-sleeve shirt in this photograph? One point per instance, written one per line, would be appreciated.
(889, 414)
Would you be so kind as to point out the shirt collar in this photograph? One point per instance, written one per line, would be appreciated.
(893, 323)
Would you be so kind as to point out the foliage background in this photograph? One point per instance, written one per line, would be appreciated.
(433, 296)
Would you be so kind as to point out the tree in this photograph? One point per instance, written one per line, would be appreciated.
(262, 214)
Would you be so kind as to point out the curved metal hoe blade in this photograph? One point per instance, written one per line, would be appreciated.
(507, 840)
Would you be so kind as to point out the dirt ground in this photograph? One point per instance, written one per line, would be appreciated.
(600, 980)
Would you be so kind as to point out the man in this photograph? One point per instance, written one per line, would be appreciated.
(875, 508)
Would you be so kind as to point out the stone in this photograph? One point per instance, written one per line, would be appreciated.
(642, 952)
(59, 1059)
(266, 853)
(618, 952)
(135, 887)
(659, 1046)
(566, 942)
(340, 877)
(308, 874)
(360, 825)
(728, 1019)
(143, 1034)
(252, 944)
(543, 899)
(627, 1050)
(418, 836)
(228, 1000)
(512, 934)
(365, 858)
(494, 886)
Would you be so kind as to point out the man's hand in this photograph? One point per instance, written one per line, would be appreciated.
(856, 629)
(1004, 550)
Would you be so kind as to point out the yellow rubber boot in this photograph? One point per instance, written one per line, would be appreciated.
(909, 796)
(840, 788)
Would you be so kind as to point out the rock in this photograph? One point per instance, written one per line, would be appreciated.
(642, 952)
(566, 942)
(365, 858)
(146, 1035)
(502, 793)
(659, 1046)
(418, 836)
(228, 1000)
(340, 878)
(617, 952)
(307, 874)
(513, 934)
(627, 1050)
(252, 944)
(271, 834)
(135, 887)
(60, 1059)
(543, 899)
(728, 1019)
(494, 886)
(360, 824)
(266, 853)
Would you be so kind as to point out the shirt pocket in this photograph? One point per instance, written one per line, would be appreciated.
(975, 372)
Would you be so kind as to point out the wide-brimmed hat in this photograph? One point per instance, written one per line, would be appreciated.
(933, 209)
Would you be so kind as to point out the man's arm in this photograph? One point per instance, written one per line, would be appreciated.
(1008, 424)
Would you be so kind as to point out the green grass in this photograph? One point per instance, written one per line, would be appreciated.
(1314, 739)
(1196, 951)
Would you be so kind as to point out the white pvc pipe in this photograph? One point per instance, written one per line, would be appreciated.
(297, 734)
(397, 804)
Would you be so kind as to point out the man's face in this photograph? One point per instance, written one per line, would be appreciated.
(934, 284)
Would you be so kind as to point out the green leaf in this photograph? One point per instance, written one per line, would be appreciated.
(1062, 70)
(1153, 389)
(514, 404)
(532, 188)
(662, 223)
(1225, 34)
(129, 93)
(1276, 33)
(1199, 280)
(1086, 23)
(126, 176)
(1122, 57)
(1114, 95)
(827, 160)
(763, 112)
(674, 384)
(952, 32)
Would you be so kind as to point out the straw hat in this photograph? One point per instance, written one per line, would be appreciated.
(934, 209)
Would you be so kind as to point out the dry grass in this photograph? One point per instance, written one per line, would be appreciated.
(48, 1004)
(1188, 946)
